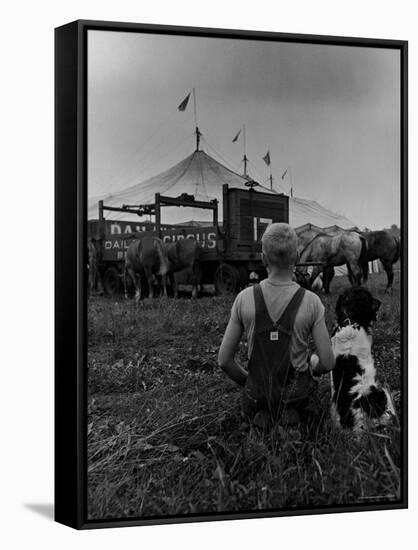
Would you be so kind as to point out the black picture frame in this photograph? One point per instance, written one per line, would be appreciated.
(71, 257)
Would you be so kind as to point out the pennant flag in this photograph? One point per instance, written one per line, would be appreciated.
(284, 173)
(266, 158)
(237, 136)
(183, 104)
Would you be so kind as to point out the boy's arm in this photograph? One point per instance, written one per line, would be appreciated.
(323, 349)
(227, 350)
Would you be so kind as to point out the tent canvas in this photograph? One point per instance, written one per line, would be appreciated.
(202, 176)
(198, 174)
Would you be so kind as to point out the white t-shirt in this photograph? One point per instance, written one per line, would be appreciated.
(277, 296)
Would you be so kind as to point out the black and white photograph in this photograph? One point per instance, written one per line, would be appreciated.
(244, 275)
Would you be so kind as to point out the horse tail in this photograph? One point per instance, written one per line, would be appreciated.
(397, 250)
(136, 251)
(161, 256)
(363, 263)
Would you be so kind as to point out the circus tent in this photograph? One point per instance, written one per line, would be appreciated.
(199, 175)
(202, 176)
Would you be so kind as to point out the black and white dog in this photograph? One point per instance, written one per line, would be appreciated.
(357, 400)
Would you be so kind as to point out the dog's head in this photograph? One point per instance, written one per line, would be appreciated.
(357, 305)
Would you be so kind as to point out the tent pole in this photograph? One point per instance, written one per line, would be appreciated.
(291, 181)
(245, 159)
(195, 109)
(197, 131)
(198, 134)
(157, 215)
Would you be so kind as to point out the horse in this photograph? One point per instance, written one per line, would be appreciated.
(343, 248)
(305, 234)
(146, 256)
(383, 246)
(184, 254)
(94, 279)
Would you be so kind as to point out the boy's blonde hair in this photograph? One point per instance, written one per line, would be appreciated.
(280, 245)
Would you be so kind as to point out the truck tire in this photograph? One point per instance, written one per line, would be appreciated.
(112, 282)
(227, 280)
(243, 276)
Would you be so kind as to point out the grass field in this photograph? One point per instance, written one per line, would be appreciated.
(165, 435)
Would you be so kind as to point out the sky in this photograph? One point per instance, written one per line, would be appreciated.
(330, 115)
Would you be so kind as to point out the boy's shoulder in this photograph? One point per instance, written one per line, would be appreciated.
(245, 295)
(313, 306)
(312, 296)
(243, 306)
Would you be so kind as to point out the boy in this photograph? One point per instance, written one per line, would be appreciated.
(278, 317)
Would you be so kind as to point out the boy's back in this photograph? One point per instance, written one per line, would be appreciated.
(278, 352)
(277, 296)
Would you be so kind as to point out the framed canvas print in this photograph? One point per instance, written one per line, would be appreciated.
(231, 288)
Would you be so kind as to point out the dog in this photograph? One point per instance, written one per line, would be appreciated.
(358, 401)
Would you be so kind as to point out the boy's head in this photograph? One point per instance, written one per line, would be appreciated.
(279, 244)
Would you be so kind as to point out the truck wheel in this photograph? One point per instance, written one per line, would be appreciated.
(227, 280)
(243, 276)
(112, 283)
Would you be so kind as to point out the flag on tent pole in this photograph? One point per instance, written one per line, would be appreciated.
(237, 136)
(266, 158)
(183, 104)
(284, 173)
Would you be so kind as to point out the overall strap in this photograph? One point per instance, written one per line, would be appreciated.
(287, 319)
(262, 315)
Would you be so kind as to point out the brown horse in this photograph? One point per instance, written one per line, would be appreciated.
(344, 248)
(94, 278)
(146, 256)
(383, 246)
(184, 254)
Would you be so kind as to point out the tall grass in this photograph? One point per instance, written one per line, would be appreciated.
(165, 432)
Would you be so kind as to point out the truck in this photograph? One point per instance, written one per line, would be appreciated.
(230, 250)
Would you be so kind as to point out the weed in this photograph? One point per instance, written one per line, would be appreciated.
(165, 435)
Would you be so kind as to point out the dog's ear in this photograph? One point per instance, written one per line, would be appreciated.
(376, 304)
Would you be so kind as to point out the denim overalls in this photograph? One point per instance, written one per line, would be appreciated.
(272, 382)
